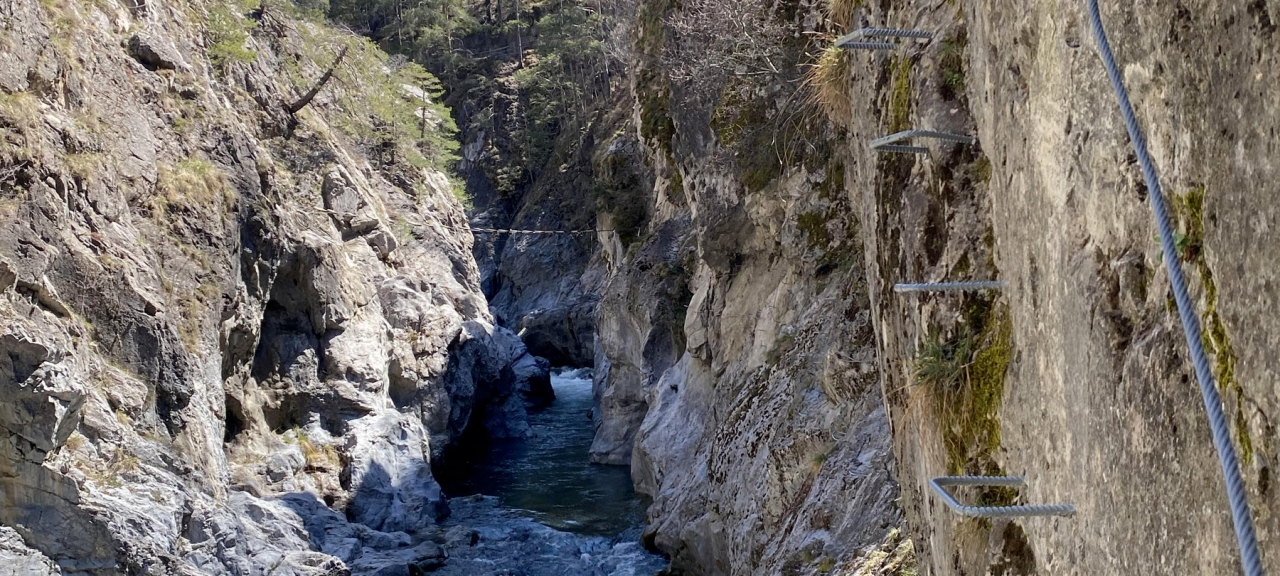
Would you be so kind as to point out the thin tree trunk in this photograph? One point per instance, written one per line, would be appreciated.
(422, 130)
(519, 40)
(311, 94)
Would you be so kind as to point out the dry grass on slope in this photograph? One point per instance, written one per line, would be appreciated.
(828, 83)
(841, 12)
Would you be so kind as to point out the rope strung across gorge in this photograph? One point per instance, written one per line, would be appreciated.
(512, 231)
(1236, 492)
(523, 231)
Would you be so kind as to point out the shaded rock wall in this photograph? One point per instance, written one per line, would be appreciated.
(543, 287)
(736, 366)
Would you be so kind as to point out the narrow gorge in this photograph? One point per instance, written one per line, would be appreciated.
(607, 287)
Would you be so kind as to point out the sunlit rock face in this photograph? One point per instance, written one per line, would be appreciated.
(1080, 375)
(233, 343)
(792, 353)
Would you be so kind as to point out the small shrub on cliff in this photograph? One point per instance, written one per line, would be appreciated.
(19, 110)
(64, 18)
(195, 310)
(226, 31)
(191, 183)
(942, 365)
(83, 166)
(951, 66)
(19, 115)
(318, 456)
(75, 441)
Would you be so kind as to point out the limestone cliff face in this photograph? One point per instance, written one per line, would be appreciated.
(759, 416)
(1098, 406)
(737, 363)
(233, 341)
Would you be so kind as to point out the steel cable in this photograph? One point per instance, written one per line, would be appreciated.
(1237, 494)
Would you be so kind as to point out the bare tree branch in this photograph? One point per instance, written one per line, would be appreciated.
(714, 39)
(9, 174)
(311, 94)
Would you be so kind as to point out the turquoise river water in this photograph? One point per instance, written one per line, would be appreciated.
(549, 475)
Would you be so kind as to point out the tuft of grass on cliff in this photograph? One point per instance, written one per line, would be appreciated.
(965, 374)
(829, 84)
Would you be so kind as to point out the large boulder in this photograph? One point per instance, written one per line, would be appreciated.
(252, 533)
(491, 368)
(390, 474)
(530, 376)
(156, 52)
(42, 403)
(565, 335)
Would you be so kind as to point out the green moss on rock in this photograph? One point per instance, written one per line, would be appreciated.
(619, 190)
(653, 92)
(982, 169)
(900, 97)
(814, 227)
(741, 127)
(981, 424)
(654, 97)
(1188, 209)
(966, 375)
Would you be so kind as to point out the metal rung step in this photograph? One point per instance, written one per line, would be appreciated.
(868, 45)
(994, 511)
(903, 149)
(894, 32)
(891, 142)
(850, 40)
(951, 286)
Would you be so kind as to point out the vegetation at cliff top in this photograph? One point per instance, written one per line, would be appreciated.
(532, 68)
(841, 12)
(389, 105)
(227, 32)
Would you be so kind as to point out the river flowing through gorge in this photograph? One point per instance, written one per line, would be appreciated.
(539, 506)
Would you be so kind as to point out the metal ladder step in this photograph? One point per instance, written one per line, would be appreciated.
(868, 45)
(974, 285)
(850, 40)
(891, 142)
(940, 483)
